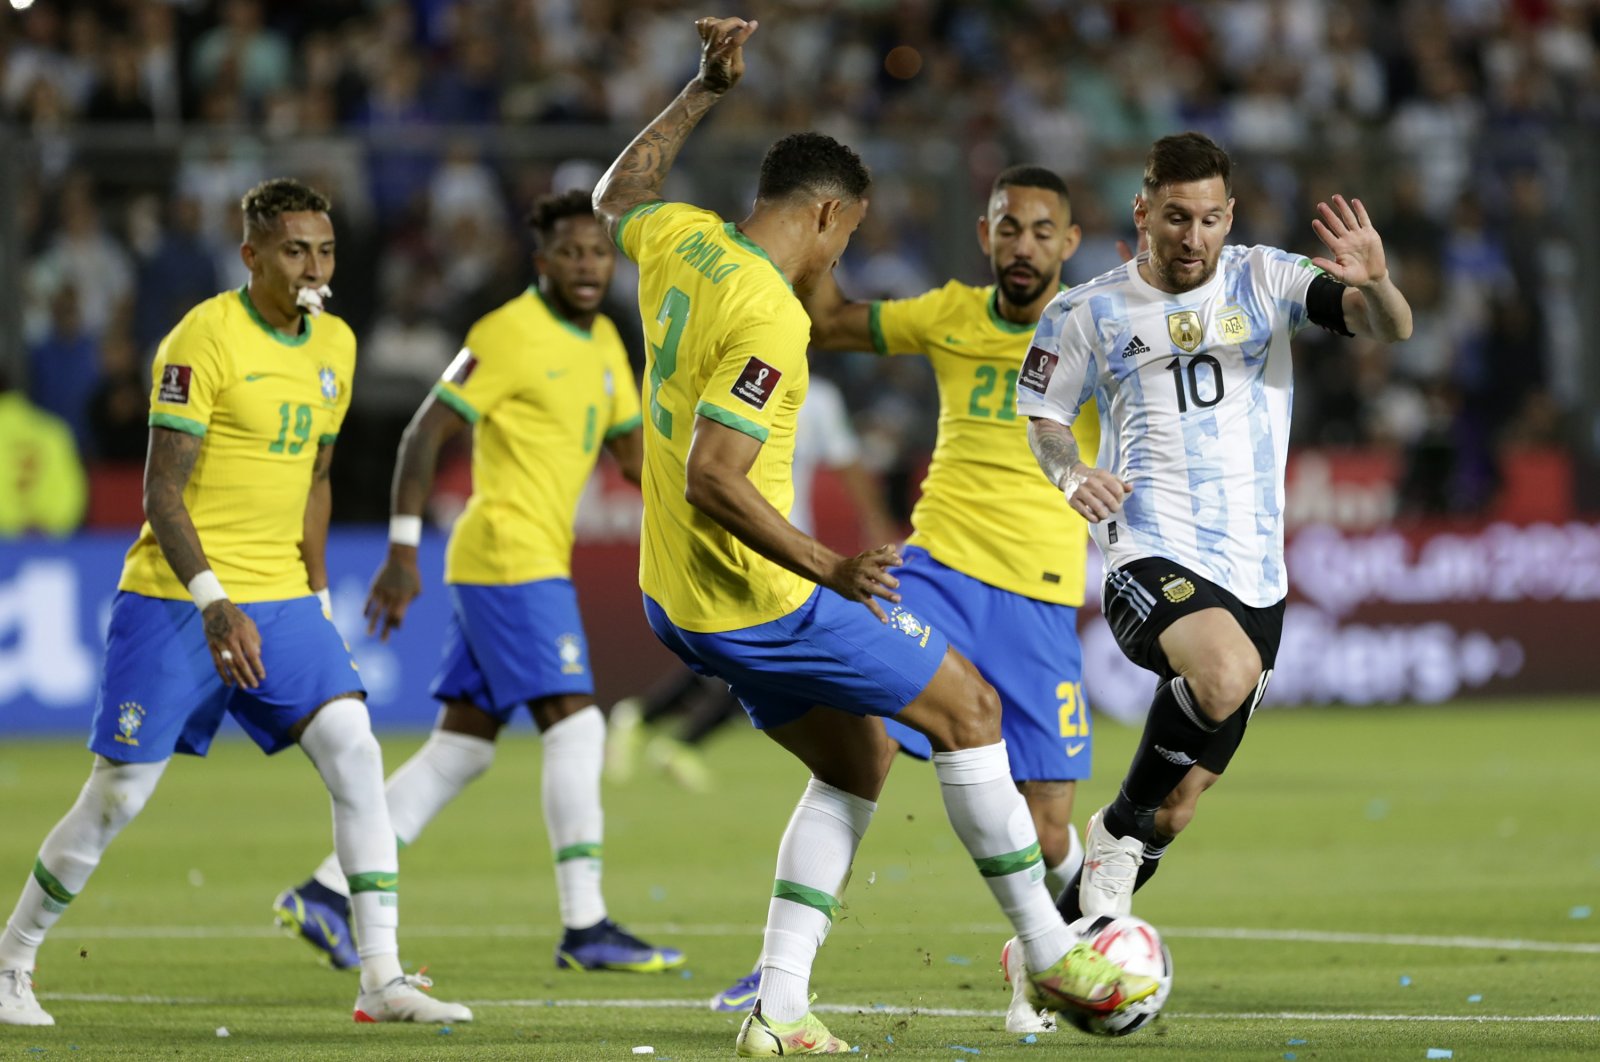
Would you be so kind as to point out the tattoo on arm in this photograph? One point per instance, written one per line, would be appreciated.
(172, 459)
(640, 171)
(323, 465)
(1054, 447)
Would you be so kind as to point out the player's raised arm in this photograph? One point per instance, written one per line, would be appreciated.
(233, 638)
(398, 581)
(837, 323)
(1373, 306)
(638, 173)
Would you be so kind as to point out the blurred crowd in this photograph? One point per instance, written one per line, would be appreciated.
(134, 125)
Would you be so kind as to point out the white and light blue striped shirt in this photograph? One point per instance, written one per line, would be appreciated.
(1194, 392)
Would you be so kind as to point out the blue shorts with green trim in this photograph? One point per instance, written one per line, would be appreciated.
(1029, 652)
(508, 645)
(829, 651)
(160, 692)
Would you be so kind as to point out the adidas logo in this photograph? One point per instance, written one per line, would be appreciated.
(1179, 759)
(1135, 348)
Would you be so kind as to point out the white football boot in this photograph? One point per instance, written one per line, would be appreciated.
(18, 1005)
(1110, 868)
(403, 1000)
(1022, 1016)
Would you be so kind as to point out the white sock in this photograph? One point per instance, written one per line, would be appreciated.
(813, 865)
(109, 800)
(340, 744)
(574, 752)
(444, 766)
(1058, 877)
(993, 821)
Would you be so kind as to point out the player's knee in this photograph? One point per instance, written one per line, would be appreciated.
(120, 791)
(341, 744)
(971, 719)
(1225, 682)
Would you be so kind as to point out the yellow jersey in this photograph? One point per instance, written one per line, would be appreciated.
(541, 394)
(986, 510)
(261, 401)
(727, 341)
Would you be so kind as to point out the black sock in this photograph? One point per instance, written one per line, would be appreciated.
(1176, 734)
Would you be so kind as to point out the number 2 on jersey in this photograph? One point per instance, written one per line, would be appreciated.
(674, 313)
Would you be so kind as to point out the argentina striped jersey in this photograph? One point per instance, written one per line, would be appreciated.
(1194, 393)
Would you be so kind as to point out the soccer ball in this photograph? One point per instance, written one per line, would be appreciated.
(1134, 945)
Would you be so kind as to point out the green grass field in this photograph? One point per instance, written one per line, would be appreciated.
(1348, 852)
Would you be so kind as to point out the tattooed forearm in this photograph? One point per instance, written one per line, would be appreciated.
(1054, 447)
(171, 460)
(640, 171)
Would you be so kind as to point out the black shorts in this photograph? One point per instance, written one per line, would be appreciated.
(1145, 597)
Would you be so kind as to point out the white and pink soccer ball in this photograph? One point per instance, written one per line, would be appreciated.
(1134, 945)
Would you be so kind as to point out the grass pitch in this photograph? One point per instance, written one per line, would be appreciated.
(1367, 884)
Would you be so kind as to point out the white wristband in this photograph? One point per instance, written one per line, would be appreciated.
(405, 530)
(206, 589)
(326, 599)
(1070, 484)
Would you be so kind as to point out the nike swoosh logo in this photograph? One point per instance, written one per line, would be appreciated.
(555, 373)
(385, 883)
(253, 377)
(1075, 748)
(328, 931)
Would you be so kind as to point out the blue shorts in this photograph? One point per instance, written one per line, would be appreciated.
(1029, 652)
(507, 645)
(829, 651)
(160, 692)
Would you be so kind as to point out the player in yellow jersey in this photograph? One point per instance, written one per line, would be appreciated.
(218, 608)
(544, 383)
(996, 557)
(815, 645)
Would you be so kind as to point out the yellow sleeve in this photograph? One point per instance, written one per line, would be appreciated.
(901, 326)
(647, 227)
(633, 225)
(190, 371)
(625, 412)
(480, 378)
(765, 359)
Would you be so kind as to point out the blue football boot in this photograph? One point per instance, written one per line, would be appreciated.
(322, 918)
(606, 946)
(738, 997)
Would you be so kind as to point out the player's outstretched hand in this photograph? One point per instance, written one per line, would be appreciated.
(722, 51)
(235, 644)
(396, 585)
(865, 577)
(1097, 495)
(1357, 251)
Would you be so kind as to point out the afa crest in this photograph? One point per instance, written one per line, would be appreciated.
(909, 625)
(329, 383)
(130, 717)
(1176, 588)
(1184, 328)
(1233, 327)
(570, 648)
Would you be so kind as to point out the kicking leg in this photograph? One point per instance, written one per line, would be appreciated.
(114, 794)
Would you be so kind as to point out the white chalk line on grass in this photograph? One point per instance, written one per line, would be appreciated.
(996, 930)
(871, 1008)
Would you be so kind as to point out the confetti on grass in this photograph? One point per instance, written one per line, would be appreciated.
(1440, 1052)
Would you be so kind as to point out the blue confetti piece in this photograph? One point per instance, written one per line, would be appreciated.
(888, 1038)
(856, 1050)
(1405, 980)
(1476, 997)
(1440, 1052)
(687, 975)
(1583, 910)
(1297, 1042)
(1290, 1055)
(445, 1030)
(968, 1050)
(1030, 1039)
(881, 1006)
(658, 893)
(958, 960)
(1377, 810)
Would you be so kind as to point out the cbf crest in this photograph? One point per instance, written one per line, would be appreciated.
(329, 384)
(130, 717)
(909, 625)
(569, 647)
(1184, 328)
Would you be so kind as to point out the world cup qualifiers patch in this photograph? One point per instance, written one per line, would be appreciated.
(461, 369)
(756, 383)
(175, 385)
(1037, 369)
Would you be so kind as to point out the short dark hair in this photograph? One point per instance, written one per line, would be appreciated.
(1186, 157)
(549, 209)
(1029, 176)
(812, 164)
(281, 195)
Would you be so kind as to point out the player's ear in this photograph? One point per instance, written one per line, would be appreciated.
(1069, 245)
(1227, 218)
(828, 214)
(247, 255)
(1141, 211)
(983, 234)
